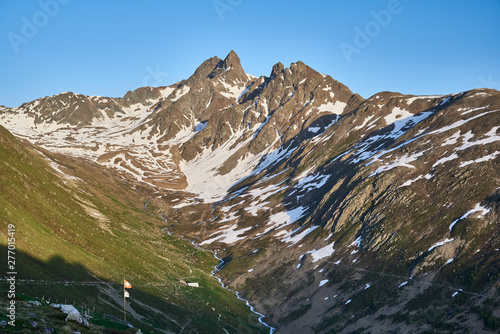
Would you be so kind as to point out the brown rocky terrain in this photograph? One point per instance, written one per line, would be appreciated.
(332, 213)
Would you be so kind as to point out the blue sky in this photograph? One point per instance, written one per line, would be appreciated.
(109, 47)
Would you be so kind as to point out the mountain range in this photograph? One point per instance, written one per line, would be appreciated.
(331, 213)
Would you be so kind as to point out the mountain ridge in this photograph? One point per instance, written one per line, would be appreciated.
(294, 180)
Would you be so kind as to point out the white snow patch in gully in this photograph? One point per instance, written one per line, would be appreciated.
(229, 235)
(322, 252)
(441, 243)
(479, 160)
(311, 181)
(365, 122)
(180, 93)
(363, 150)
(357, 242)
(323, 282)
(335, 108)
(452, 139)
(298, 237)
(426, 97)
(477, 208)
(203, 174)
(200, 126)
(409, 182)
(397, 114)
(283, 218)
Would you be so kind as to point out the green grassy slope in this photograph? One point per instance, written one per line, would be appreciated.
(97, 230)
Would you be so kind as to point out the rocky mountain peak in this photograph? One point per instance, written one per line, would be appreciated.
(300, 67)
(206, 68)
(144, 95)
(229, 68)
(231, 60)
(278, 68)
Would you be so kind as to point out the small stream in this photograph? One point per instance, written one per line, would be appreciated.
(219, 266)
(216, 269)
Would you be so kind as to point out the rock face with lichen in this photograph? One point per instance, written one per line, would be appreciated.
(333, 213)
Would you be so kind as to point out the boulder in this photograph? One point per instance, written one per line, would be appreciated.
(73, 314)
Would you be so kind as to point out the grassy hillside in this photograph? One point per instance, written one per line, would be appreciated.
(94, 229)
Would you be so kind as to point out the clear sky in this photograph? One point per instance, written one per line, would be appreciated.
(107, 47)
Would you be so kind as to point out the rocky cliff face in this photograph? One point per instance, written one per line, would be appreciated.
(79, 110)
(400, 194)
(332, 212)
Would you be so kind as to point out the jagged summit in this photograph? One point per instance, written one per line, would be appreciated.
(277, 69)
(204, 70)
(231, 61)
(229, 68)
(200, 114)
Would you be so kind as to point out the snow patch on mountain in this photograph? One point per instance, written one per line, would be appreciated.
(397, 114)
(365, 122)
(409, 182)
(180, 92)
(165, 93)
(293, 237)
(426, 97)
(479, 160)
(203, 172)
(334, 108)
(403, 161)
(228, 235)
(477, 208)
(283, 218)
(439, 244)
(372, 145)
(453, 139)
(322, 253)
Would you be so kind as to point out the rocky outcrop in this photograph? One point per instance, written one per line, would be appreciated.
(73, 314)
